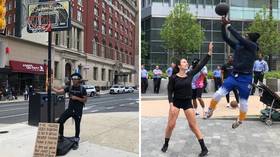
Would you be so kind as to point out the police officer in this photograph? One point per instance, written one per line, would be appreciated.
(260, 67)
(77, 100)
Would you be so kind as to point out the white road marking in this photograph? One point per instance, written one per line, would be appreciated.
(94, 111)
(16, 115)
(13, 109)
(109, 108)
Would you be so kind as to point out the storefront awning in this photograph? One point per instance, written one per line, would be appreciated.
(24, 67)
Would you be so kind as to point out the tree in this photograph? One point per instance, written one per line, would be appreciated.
(181, 32)
(269, 41)
(144, 48)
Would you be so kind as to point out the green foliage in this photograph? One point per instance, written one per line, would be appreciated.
(210, 75)
(144, 48)
(269, 42)
(150, 75)
(272, 74)
(181, 31)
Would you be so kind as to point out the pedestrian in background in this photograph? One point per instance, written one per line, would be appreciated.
(144, 79)
(260, 67)
(170, 69)
(198, 86)
(227, 70)
(217, 74)
(157, 79)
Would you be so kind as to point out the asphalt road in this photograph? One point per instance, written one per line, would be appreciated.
(18, 112)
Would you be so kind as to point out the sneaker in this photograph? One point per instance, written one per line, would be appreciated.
(228, 105)
(203, 152)
(235, 124)
(196, 113)
(209, 113)
(75, 146)
(164, 148)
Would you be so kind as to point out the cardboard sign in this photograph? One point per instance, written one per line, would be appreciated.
(46, 141)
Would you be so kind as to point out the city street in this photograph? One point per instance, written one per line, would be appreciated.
(11, 113)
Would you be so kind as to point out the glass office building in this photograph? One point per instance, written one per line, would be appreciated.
(242, 12)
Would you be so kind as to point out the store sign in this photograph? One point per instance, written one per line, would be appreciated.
(27, 67)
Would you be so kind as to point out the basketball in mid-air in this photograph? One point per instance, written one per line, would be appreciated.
(222, 9)
(234, 104)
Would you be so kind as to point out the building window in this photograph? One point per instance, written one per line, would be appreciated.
(95, 24)
(95, 11)
(110, 75)
(116, 35)
(68, 39)
(103, 29)
(103, 16)
(116, 25)
(10, 5)
(56, 39)
(103, 74)
(95, 73)
(110, 10)
(103, 50)
(110, 32)
(80, 2)
(96, 1)
(56, 69)
(78, 38)
(110, 21)
(103, 4)
(79, 16)
(95, 46)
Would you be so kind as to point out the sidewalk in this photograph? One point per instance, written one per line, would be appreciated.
(104, 134)
(158, 108)
(21, 98)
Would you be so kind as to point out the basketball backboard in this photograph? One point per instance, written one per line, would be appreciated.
(52, 14)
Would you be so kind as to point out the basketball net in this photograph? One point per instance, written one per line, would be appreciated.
(37, 24)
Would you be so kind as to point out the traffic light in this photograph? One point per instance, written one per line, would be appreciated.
(2, 14)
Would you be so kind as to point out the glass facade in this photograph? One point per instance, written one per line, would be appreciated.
(241, 13)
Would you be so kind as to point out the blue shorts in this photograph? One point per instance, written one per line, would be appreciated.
(243, 83)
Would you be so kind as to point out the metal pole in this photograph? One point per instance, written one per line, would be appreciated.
(49, 74)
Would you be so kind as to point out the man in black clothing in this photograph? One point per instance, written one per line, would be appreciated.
(226, 71)
(77, 100)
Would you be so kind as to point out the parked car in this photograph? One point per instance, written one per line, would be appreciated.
(128, 90)
(91, 91)
(115, 89)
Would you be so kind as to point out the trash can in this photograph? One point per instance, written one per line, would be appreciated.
(59, 107)
(38, 108)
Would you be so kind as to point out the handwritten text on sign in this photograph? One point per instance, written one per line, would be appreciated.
(46, 141)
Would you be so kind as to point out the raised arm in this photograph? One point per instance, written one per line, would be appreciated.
(202, 63)
(170, 88)
(230, 42)
(243, 41)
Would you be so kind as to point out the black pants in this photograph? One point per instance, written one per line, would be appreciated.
(144, 85)
(157, 82)
(258, 76)
(76, 114)
(235, 94)
(218, 83)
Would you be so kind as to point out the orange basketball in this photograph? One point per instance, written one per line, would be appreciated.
(233, 104)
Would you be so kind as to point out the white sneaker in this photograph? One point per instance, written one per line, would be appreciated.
(228, 105)
(235, 124)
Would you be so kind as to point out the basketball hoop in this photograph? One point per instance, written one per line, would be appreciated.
(37, 24)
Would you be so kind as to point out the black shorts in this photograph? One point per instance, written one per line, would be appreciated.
(196, 93)
(183, 103)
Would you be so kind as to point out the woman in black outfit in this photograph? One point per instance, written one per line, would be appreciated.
(180, 96)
